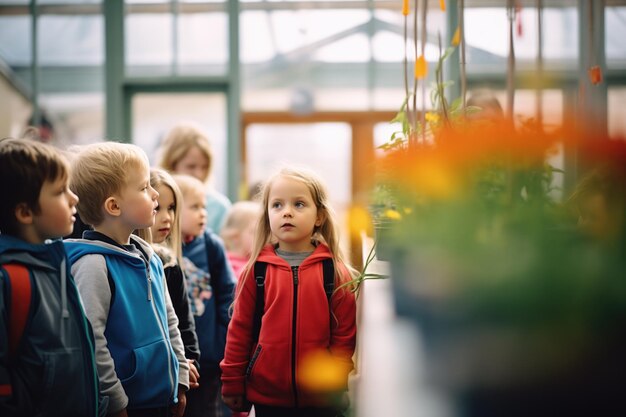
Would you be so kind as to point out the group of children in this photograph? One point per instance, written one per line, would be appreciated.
(140, 316)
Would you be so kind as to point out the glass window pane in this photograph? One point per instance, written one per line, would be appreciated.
(154, 114)
(257, 37)
(68, 1)
(203, 42)
(148, 39)
(71, 40)
(617, 111)
(487, 34)
(615, 21)
(327, 151)
(295, 29)
(15, 40)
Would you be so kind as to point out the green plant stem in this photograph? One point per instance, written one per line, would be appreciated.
(363, 275)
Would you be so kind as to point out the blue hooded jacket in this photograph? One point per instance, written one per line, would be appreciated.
(130, 322)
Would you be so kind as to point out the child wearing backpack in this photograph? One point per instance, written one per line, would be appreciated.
(211, 284)
(164, 235)
(139, 351)
(295, 241)
(47, 362)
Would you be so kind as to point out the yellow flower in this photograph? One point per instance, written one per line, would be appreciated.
(359, 220)
(421, 68)
(393, 214)
(432, 117)
(407, 210)
(405, 7)
(456, 39)
(442, 4)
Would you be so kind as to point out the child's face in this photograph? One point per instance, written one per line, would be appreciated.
(138, 200)
(193, 214)
(57, 206)
(194, 163)
(292, 214)
(165, 214)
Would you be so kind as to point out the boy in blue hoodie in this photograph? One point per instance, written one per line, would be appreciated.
(50, 369)
(139, 351)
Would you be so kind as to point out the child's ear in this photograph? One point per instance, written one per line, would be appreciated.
(24, 214)
(111, 207)
(320, 219)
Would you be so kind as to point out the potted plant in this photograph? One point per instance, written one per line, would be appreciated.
(518, 311)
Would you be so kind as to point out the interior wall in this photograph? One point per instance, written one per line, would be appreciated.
(15, 109)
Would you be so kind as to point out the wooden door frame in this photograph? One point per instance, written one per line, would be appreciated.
(362, 127)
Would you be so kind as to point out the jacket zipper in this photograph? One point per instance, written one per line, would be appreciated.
(162, 328)
(294, 269)
(255, 356)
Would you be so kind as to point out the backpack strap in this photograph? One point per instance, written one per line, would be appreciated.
(329, 278)
(259, 276)
(20, 296)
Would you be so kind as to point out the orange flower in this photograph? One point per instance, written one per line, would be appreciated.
(456, 39)
(405, 7)
(595, 75)
(421, 68)
(320, 372)
(442, 5)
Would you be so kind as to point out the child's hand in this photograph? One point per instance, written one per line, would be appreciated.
(194, 375)
(234, 402)
(179, 409)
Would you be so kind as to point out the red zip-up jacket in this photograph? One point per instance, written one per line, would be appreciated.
(296, 322)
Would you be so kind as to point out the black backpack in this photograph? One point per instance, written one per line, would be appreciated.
(259, 276)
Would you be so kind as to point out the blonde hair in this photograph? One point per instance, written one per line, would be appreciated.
(326, 232)
(179, 141)
(173, 242)
(100, 171)
(188, 184)
(240, 215)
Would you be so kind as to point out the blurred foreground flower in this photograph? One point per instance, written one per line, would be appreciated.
(320, 372)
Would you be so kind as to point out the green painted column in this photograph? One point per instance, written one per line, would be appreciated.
(233, 97)
(34, 63)
(592, 100)
(114, 69)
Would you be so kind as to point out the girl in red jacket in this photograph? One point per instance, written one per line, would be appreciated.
(306, 341)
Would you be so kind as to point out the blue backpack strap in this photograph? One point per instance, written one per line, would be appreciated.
(259, 276)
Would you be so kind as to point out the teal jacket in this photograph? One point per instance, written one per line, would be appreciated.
(54, 370)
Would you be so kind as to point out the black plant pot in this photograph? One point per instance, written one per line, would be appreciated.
(494, 368)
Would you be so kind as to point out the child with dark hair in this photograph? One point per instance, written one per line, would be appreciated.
(50, 369)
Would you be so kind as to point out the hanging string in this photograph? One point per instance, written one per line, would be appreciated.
(511, 62)
(462, 62)
(539, 108)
